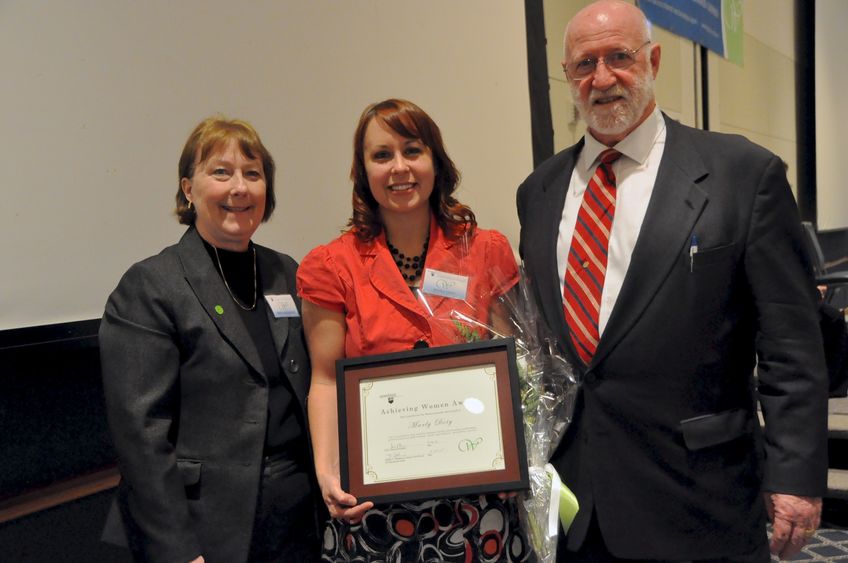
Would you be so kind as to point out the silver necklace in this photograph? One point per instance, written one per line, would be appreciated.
(230, 291)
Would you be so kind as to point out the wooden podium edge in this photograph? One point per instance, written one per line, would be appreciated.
(58, 493)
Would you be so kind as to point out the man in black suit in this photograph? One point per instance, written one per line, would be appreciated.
(703, 278)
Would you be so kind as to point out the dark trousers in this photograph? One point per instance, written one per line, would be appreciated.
(285, 529)
(594, 550)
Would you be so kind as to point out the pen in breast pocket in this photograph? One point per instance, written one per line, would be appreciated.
(693, 250)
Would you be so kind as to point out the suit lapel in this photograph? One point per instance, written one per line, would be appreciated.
(386, 277)
(272, 277)
(554, 188)
(205, 281)
(676, 203)
(440, 257)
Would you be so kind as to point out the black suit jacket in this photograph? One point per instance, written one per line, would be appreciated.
(665, 446)
(187, 399)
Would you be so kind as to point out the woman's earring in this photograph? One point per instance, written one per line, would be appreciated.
(189, 205)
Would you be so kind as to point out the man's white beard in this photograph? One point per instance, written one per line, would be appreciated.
(623, 114)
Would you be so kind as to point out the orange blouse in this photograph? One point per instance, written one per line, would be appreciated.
(361, 280)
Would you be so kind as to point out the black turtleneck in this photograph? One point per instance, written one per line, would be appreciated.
(286, 430)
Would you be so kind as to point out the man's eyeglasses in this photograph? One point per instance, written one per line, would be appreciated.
(616, 60)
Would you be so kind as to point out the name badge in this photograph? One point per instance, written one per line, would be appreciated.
(282, 305)
(444, 284)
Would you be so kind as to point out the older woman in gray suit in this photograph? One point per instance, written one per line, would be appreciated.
(205, 374)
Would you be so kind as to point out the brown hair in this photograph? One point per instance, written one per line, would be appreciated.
(410, 121)
(210, 135)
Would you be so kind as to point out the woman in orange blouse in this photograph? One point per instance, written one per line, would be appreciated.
(363, 293)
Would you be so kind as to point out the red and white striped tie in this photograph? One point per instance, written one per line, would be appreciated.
(587, 258)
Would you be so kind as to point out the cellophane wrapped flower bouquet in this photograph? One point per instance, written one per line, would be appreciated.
(548, 387)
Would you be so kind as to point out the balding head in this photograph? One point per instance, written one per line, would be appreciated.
(615, 17)
(611, 64)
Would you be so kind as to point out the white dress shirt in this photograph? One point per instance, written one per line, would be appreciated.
(635, 173)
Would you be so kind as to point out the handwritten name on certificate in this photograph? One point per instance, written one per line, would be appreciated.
(430, 424)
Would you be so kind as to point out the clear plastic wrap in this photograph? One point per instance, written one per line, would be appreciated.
(548, 388)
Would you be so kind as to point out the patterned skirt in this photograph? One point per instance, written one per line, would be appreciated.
(482, 529)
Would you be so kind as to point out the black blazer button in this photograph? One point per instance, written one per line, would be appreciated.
(293, 366)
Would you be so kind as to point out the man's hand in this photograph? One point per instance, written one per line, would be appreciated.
(794, 519)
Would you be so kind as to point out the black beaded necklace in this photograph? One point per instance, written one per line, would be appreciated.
(411, 267)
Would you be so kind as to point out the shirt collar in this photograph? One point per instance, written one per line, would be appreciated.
(438, 239)
(635, 146)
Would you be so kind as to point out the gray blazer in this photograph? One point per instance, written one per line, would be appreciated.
(665, 446)
(187, 398)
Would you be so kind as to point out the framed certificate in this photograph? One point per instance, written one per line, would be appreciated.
(432, 422)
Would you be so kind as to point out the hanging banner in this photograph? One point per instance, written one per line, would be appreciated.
(715, 24)
(731, 16)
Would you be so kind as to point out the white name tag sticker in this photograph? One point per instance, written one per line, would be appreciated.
(444, 284)
(282, 305)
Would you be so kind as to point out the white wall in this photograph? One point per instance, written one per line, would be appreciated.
(831, 113)
(99, 96)
(757, 99)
